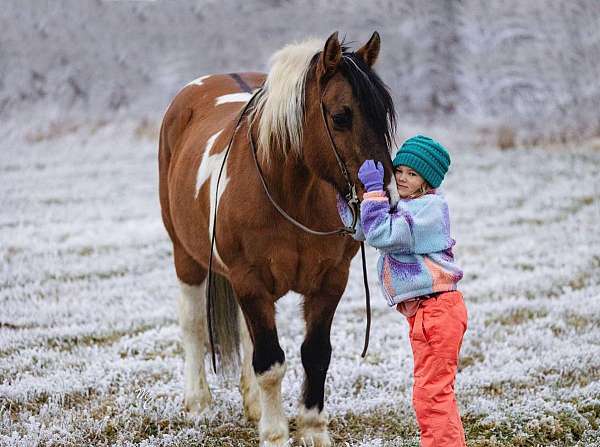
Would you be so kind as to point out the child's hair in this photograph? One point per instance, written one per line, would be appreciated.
(424, 189)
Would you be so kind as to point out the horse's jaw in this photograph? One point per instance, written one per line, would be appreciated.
(392, 191)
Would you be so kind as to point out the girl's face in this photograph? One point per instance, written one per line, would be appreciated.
(408, 181)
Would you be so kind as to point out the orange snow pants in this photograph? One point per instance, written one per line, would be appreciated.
(436, 333)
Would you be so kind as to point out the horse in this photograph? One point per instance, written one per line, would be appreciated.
(319, 111)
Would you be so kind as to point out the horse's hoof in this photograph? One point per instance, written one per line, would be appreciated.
(314, 439)
(277, 435)
(197, 403)
(276, 442)
(312, 428)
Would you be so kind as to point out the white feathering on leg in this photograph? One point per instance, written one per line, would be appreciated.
(312, 427)
(273, 426)
(192, 320)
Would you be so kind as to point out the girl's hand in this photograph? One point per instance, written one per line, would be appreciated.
(371, 175)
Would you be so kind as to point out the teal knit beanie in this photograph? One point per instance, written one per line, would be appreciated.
(426, 156)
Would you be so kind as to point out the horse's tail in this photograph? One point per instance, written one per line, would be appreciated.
(225, 324)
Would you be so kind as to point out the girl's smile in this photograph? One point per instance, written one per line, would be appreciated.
(408, 181)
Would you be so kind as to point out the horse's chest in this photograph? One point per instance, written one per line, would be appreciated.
(304, 269)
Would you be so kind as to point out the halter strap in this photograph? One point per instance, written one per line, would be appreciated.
(281, 211)
(351, 196)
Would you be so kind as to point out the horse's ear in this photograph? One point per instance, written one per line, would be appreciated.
(369, 51)
(331, 56)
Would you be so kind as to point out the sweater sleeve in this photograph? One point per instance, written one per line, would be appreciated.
(420, 229)
(346, 215)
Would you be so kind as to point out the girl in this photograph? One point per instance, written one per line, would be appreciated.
(418, 275)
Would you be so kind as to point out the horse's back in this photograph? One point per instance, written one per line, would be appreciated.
(198, 123)
(208, 102)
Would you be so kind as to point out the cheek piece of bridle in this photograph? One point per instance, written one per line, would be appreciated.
(351, 199)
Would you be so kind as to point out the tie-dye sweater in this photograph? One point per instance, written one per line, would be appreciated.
(414, 243)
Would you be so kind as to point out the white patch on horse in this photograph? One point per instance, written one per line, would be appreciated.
(273, 426)
(233, 97)
(199, 81)
(206, 165)
(392, 189)
(210, 166)
(312, 427)
(192, 320)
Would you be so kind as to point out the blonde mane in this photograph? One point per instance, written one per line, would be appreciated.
(279, 106)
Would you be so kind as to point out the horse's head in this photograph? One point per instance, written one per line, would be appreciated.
(344, 94)
(314, 91)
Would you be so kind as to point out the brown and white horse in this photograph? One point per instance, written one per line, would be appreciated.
(258, 255)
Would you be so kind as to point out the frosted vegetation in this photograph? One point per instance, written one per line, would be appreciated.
(90, 352)
(529, 67)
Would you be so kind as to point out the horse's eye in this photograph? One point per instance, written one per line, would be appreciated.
(343, 119)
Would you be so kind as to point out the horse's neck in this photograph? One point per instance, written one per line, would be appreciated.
(292, 183)
(295, 186)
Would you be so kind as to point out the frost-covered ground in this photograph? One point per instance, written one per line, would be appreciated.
(89, 343)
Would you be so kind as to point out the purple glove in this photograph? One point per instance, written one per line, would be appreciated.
(371, 175)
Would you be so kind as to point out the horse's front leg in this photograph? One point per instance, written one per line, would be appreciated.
(248, 384)
(316, 353)
(268, 361)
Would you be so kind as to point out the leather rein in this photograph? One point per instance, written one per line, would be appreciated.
(351, 199)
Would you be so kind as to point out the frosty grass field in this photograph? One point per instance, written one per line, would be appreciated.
(89, 342)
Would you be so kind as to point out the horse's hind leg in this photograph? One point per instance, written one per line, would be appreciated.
(268, 362)
(192, 320)
(312, 418)
(248, 383)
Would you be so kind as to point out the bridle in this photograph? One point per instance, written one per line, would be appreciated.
(350, 196)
